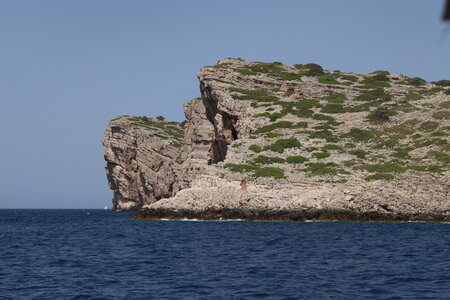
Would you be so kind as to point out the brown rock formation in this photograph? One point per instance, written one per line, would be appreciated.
(141, 169)
(291, 142)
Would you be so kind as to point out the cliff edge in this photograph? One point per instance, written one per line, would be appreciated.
(271, 141)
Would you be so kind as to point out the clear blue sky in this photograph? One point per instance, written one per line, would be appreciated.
(67, 67)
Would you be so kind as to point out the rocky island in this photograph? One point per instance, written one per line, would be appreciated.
(268, 141)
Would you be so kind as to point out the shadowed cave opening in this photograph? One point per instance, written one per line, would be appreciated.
(228, 134)
(228, 130)
(224, 126)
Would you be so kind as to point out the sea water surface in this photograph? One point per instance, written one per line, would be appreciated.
(98, 254)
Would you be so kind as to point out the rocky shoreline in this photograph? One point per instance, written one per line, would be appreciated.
(267, 141)
(285, 215)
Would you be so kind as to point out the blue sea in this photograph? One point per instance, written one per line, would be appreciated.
(98, 254)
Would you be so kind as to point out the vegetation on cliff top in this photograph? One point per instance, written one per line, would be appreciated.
(396, 122)
(171, 131)
(350, 125)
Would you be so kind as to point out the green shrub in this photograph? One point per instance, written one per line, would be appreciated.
(404, 106)
(440, 156)
(429, 92)
(323, 134)
(160, 118)
(384, 168)
(442, 115)
(273, 135)
(289, 76)
(273, 69)
(351, 78)
(333, 108)
(313, 69)
(332, 147)
(329, 79)
(379, 176)
(400, 131)
(380, 114)
(258, 95)
(359, 153)
(272, 117)
(439, 133)
(282, 144)
(350, 163)
(428, 126)
(350, 145)
(416, 81)
(376, 81)
(264, 160)
(308, 103)
(431, 168)
(375, 94)
(161, 129)
(442, 83)
(428, 142)
(363, 107)
(221, 66)
(402, 153)
(325, 118)
(240, 168)
(311, 149)
(255, 148)
(324, 126)
(296, 159)
(445, 104)
(276, 173)
(236, 145)
(332, 78)
(321, 155)
(301, 125)
(359, 135)
(305, 113)
(322, 169)
(264, 114)
(411, 122)
(270, 127)
(412, 96)
(381, 72)
(334, 97)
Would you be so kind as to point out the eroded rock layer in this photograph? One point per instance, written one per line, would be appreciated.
(141, 163)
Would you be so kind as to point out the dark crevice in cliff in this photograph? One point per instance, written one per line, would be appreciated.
(228, 130)
(223, 135)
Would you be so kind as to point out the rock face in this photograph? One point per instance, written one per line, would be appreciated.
(271, 141)
(141, 167)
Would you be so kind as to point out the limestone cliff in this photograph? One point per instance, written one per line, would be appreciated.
(141, 157)
(267, 140)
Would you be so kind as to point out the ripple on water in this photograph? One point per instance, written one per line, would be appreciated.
(69, 254)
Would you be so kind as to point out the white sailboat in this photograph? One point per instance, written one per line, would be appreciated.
(106, 207)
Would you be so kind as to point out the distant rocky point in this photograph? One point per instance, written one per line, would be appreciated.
(267, 141)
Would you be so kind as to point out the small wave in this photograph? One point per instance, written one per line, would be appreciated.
(191, 220)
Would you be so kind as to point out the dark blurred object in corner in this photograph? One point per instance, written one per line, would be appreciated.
(446, 15)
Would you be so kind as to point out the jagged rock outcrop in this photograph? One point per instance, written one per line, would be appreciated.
(270, 141)
(141, 165)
